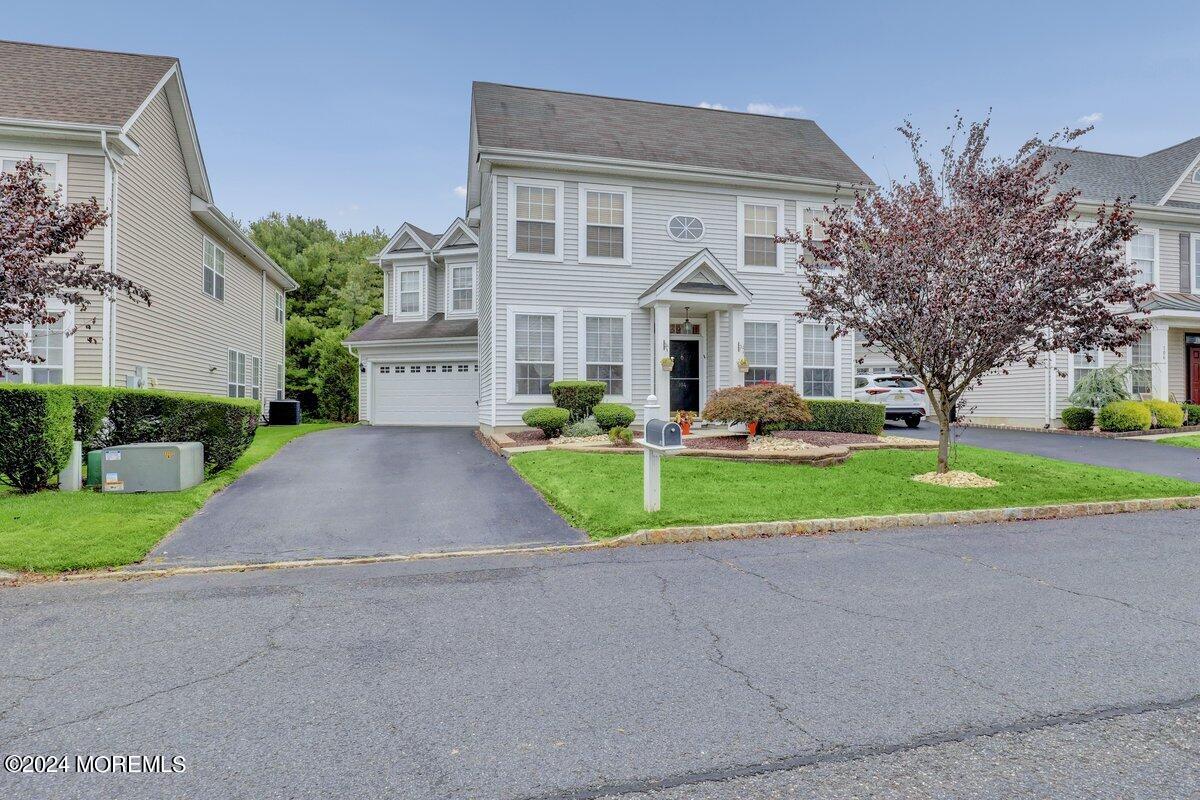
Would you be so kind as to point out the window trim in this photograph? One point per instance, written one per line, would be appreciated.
(396, 283)
(803, 209)
(511, 348)
(559, 222)
(280, 308)
(1194, 243)
(204, 269)
(780, 225)
(280, 381)
(780, 376)
(25, 368)
(627, 227)
(251, 366)
(837, 360)
(1155, 269)
(697, 217)
(1097, 364)
(627, 347)
(1196, 175)
(449, 288)
(1147, 367)
(59, 159)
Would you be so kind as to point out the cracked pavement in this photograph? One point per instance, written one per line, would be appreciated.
(1057, 658)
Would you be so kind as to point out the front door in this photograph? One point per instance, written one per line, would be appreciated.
(1193, 373)
(685, 375)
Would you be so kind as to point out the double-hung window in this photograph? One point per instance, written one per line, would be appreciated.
(408, 291)
(758, 225)
(244, 375)
(279, 306)
(604, 232)
(1084, 363)
(50, 346)
(462, 288)
(762, 352)
(605, 346)
(814, 218)
(536, 217)
(818, 354)
(535, 352)
(214, 270)
(55, 167)
(1140, 373)
(280, 382)
(1143, 254)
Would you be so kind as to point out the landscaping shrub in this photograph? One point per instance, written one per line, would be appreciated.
(1192, 411)
(840, 416)
(767, 403)
(336, 382)
(91, 410)
(1100, 387)
(1164, 414)
(225, 426)
(1077, 418)
(551, 421)
(37, 426)
(615, 415)
(585, 427)
(1124, 415)
(620, 436)
(577, 397)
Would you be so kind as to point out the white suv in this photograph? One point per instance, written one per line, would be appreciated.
(902, 397)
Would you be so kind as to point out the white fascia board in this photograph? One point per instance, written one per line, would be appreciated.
(185, 127)
(1187, 174)
(1145, 212)
(232, 235)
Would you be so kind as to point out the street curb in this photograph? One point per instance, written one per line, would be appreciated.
(755, 530)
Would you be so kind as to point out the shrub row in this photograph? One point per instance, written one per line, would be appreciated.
(841, 416)
(38, 424)
(1132, 415)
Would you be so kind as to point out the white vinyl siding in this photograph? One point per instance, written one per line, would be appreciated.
(536, 230)
(605, 353)
(763, 348)
(818, 366)
(605, 234)
(214, 270)
(759, 222)
(244, 375)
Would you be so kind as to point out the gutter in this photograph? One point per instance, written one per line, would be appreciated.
(381, 342)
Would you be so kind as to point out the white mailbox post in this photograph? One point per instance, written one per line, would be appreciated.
(661, 439)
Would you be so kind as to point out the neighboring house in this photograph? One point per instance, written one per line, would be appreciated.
(118, 127)
(601, 236)
(1165, 364)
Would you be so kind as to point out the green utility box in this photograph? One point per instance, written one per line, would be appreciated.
(149, 467)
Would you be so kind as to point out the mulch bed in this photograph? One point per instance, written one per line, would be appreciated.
(826, 438)
(718, 443)
(528, 437)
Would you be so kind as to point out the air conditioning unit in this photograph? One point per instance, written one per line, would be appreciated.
(148, 467)
(140, 379)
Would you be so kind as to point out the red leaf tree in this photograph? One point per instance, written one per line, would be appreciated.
(974, 266)
(37, 232)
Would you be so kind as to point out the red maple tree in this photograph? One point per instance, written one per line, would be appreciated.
(974, 266)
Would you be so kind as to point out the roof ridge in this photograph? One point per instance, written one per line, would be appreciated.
(643, 102)
(88, 49)
(1195, 139)
(1096, 152)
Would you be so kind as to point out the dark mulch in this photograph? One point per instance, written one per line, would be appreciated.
(718, 443)
(528, 437)
(826, 438)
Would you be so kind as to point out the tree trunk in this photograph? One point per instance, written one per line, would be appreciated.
(942, 408)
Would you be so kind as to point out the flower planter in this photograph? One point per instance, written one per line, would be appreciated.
(686, 427)
(752, 428)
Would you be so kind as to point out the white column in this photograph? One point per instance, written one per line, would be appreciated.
(651, 462)
(737, 350)
(1159, 385)
(662, 349)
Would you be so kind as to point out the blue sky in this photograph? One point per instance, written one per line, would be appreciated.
(357, 111)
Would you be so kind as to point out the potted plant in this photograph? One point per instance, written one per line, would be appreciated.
(743, 364)
(667, 363)
(685, 420)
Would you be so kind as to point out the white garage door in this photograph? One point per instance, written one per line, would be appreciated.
(429, 393)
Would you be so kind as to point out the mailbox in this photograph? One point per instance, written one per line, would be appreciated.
(660, 433)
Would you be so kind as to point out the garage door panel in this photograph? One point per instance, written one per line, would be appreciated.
(428, 393)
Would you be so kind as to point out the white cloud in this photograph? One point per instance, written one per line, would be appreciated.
(353, 208)
(714, 106)
(461, 191)
(773, 110)
(1091, 119)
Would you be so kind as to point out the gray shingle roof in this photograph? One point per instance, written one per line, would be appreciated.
(1106, 176)
(382, 329)
(513, 117)
(1171, 301)
(64, 84)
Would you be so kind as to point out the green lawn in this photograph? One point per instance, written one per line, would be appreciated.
(1182, 441)
(602, 494)
(55, 531)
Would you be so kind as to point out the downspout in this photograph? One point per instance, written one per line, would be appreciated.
(262, 341)
(108, 342)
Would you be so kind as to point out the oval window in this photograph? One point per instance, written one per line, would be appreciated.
(685, 228)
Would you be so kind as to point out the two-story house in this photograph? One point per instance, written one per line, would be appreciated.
(602, 236)
(1165, 364)
(118, 127)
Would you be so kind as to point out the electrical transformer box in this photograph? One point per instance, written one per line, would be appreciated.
(150, 467)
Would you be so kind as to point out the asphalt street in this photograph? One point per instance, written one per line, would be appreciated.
(1050, 655)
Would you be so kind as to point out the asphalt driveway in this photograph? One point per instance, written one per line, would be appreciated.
(1138, 456)
(367, 491)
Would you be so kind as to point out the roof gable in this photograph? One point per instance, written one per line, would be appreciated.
(459, 234)
(408, 238)
(700, 275)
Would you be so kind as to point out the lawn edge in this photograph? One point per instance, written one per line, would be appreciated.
(756, 530)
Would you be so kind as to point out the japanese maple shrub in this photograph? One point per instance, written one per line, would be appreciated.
(972, 266)
(769, 404)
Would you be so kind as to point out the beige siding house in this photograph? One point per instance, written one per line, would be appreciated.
(118, 127)
(600, 236)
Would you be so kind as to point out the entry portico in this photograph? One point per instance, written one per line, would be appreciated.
(696, 299)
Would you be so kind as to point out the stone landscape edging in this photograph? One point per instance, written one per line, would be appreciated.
(757, 530)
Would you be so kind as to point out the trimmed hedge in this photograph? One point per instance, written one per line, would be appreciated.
(1124, 415)
(225, 426)
(1165, 415)
(37, 427)
(1077, 418)
(615, 415)
(91, 411)
(840, 416)
(577, 397)
(551, 421)
(1192, 411)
